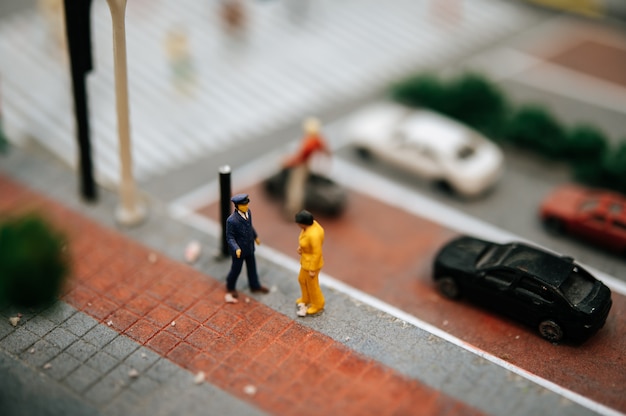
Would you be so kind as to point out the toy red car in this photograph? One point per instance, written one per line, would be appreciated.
(595, 215)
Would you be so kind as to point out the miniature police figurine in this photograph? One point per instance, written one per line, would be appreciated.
(241, 236)
(311, 261)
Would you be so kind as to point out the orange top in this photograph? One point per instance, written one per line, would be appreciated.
(310, 144)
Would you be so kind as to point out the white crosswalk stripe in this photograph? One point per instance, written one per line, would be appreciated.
(280, 71)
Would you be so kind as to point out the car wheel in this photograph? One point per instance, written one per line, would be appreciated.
(551, 331)
(553, 225)
(448, 287)
(363, 152)
(444, 186)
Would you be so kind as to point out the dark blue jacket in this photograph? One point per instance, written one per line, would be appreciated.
(240, 234)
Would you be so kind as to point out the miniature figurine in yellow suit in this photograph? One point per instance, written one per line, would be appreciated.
(311, 262)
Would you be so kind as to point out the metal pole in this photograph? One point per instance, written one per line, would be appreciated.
(131, 210)
(78, 29)
(225, 205)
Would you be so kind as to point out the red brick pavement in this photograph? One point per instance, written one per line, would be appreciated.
(180, 313)
(388, 254)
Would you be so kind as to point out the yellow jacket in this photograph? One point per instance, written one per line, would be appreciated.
(311, 240)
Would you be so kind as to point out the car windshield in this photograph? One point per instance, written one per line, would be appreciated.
(588, 205)
(577, 286)
(492, 255)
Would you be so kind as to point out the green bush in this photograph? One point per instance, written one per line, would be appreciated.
(4, 143)
(469, 98)
(585, 143)
(586, 147)
(33, 263)
(589, 172)
(424, 90)
(614, 165)
(533, 127)
(475, 101)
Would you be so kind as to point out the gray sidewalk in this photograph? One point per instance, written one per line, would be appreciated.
(65, 337)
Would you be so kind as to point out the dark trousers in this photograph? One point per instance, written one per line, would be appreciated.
(235, 269)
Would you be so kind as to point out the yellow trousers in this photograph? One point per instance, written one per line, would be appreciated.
(311, 291)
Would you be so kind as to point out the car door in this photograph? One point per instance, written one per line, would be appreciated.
(592, 226)
(494, 288)
(413, 155)
(616, 228)
(534, 302)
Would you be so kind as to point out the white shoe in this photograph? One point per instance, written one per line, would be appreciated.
(229, 298)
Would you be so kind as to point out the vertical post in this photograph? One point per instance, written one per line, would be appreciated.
(4, 142)
(78, 29)
(131, 211)
(225, 206)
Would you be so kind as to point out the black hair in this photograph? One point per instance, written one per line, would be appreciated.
(304, 217)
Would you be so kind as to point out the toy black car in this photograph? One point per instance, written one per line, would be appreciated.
(549, 292)
(322, 194)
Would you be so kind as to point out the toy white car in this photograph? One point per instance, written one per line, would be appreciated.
(428, 144)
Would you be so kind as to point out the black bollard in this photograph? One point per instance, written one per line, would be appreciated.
(225, 204)
(78, 30)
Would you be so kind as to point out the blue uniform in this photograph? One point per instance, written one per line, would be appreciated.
(240, 234)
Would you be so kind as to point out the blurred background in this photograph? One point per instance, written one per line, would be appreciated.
(228, 81)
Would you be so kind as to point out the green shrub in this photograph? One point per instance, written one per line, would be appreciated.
(472, 99)
(614, 165)
(585, 143)
(4, 143)
(469, 98)
(534, 127)
(589, 172)
(424, 90)
(33, 264)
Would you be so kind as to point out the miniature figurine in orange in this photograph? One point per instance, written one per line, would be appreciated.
(311, 261)
(299, 166)
(241, 237)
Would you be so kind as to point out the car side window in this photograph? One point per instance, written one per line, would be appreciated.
(588, 205)
(428, 153)
(533, 290)
(399, 137)
(621, 226)
(500, 278)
